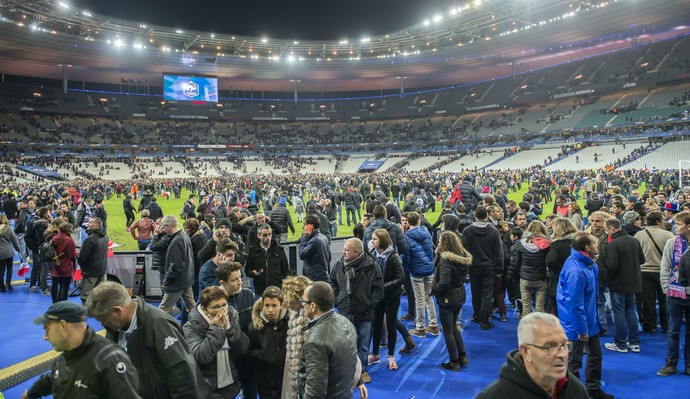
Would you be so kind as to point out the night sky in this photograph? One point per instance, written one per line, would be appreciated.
(286, 19)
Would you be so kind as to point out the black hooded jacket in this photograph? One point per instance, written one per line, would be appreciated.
(484, 243)
(514, 382)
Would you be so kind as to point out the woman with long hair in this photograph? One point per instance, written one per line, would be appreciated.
(8, 243)
(563, 232)
(62, 272)
(452, 263)
(529, 266)
(576, 217)
(390, 264)
(293, 288)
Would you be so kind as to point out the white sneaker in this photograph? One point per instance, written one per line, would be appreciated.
(634, 347)
(612, 346)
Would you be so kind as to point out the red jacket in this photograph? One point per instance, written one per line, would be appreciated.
(145, 227)
(67, 251)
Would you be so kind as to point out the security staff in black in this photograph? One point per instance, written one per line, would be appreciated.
(90, 365)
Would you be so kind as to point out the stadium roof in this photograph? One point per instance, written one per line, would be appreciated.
(477, 40)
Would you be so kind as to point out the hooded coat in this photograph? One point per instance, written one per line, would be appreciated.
(530, 260)
(93, 256)
(484, 243)
(267, 351)
(419, 259)
(449, 279)
(514, 382)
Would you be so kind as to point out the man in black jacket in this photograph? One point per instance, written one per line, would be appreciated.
(154, 209)
(260, 218)
(484, 243)
(34, 238)
(93, 257)
(128, 207)
(470, 196)
(329, 354)
(153, 340)
(267, 263)
(89, 366)
(620, 261)
(179, 268)
(358, 288)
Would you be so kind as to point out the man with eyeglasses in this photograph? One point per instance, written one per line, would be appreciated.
(577, 310)
(540, 366)
(329, 354)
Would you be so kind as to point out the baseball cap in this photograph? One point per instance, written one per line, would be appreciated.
(671, 206)
(68, 311)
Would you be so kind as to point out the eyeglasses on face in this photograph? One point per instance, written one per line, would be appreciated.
(303, 301)
(555, 349)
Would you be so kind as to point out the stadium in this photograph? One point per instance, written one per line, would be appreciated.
(526, 100)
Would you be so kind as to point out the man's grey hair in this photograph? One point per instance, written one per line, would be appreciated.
(105, 297)
(531, 322)
(169, 220)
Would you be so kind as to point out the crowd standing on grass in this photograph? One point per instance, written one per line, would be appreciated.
(235, 317)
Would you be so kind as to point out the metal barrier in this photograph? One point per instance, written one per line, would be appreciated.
(134, 269)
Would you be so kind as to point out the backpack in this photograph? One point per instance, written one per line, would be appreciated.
(29, 220)
(30, 236)
(48, 253)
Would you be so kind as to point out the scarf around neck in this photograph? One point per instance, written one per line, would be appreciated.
(676, 290)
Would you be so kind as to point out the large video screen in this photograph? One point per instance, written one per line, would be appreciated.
(190, 88)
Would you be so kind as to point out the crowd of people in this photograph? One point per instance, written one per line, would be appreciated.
(235, 318)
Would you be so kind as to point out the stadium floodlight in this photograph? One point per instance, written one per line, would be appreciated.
(291, 58)
(426, 22)
(86, 13)
(264, 40)
(438, 18)
(63, 5)
(179, 31)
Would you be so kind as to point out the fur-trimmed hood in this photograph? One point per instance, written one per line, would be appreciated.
(455, 258)
(259, 320)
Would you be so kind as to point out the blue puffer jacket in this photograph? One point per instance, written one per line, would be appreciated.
(577, 296)
(315, 251)
(419, 259)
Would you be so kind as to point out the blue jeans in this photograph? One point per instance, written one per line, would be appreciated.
(677, 308)
(624, 319)
(334, 228)
(363, 338)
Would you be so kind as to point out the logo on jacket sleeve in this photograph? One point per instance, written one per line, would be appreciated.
(169, 341)
(121, 368)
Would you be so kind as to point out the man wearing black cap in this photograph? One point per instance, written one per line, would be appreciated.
(89, 367)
